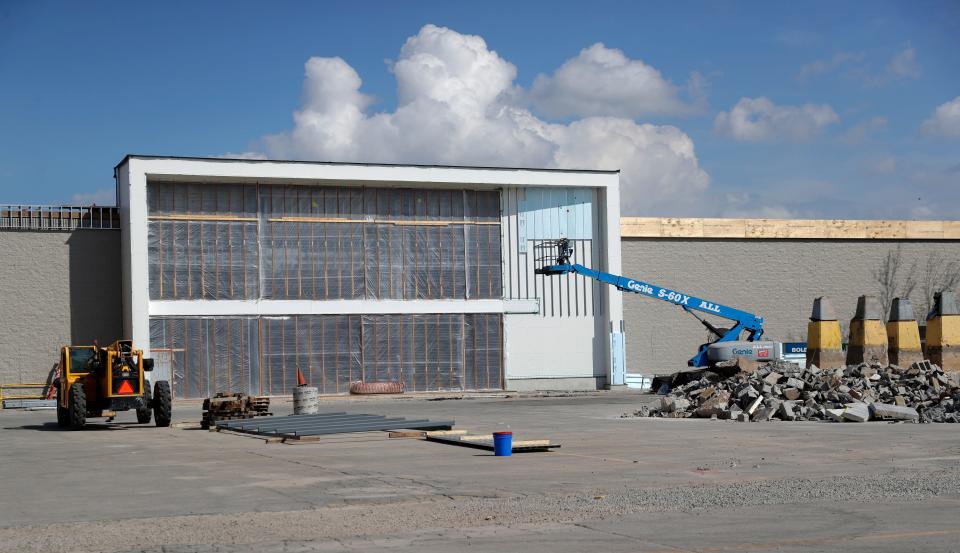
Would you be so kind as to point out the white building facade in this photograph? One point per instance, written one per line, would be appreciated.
(238, 272)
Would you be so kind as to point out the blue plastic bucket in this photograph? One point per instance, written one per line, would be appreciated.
(503, 444)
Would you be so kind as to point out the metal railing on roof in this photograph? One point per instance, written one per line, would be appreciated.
(61, 217)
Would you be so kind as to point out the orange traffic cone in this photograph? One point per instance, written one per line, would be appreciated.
(301, 381)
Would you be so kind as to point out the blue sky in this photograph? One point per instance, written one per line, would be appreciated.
(805, 109)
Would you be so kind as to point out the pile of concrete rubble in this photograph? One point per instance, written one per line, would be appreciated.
(784, 391)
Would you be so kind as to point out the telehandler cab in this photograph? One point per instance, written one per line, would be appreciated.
(98, 382)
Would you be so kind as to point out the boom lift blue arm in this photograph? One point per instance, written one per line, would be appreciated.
(554, 259)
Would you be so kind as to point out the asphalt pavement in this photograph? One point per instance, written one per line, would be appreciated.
(616, 484)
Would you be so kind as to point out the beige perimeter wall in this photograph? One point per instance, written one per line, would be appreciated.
(56, 288)
(774, 278)
(62, 287)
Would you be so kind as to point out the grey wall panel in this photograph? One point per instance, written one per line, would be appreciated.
(776, 279)
(56, 288)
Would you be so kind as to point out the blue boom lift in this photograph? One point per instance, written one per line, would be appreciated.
(553, 258)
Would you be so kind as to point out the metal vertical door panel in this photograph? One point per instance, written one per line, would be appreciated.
(551, 213)
(618, 359)
(162, 367)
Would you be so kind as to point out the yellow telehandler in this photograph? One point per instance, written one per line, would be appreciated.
(98, 381)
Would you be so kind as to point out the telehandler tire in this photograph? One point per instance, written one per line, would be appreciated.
(63, 413)
(146, 412)
(77, 409)
(162, 410)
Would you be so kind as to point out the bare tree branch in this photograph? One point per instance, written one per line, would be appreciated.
(938, 274)
(893, 279)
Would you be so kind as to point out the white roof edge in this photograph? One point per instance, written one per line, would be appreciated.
(396, 173)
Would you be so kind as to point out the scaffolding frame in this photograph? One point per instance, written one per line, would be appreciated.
(58, 218)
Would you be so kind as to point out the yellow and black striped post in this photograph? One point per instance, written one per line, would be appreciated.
(868, 338)
(943, 332)
(824, 347)
(903, 335)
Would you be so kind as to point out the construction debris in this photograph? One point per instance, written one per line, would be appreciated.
(784, 391)
(225, 406)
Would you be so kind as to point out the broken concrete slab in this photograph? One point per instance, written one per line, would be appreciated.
(835, 414)
(795, 383)
(763, 414)
(786, 411)
(670, 404)
(885, 411)
(856, 412)
(716, 405)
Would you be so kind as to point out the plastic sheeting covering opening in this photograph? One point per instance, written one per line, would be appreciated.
(203, 260)
(233, 241)
(209, 354)
(427, 352)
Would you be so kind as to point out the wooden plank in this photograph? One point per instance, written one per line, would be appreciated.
(886, 229)
(640, 227)
(406, 434)
(681, 227)
(925, 229)
(396, 222)
(725, 228)
(424, 433)
(815, 229)
(445, 432)
(486, 443)
(951, 230)
(479, 438)
(200, 217)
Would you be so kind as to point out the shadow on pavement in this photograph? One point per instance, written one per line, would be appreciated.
(53, 427)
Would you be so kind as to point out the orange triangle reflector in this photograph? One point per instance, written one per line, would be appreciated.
(125, 388)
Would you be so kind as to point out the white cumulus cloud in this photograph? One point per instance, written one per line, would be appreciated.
(818, 67)
(945, 120)
(855, 65)
(760, 120)
(904, 65)
(604, 81)
(883, 165)
(458, 104)
(863, 131)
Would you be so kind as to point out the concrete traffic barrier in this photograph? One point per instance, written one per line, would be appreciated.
(868, 338)
(943, 332)
(903, 334)
(824, 344)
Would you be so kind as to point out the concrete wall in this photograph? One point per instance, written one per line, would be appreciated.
(56, 288)
(776, 279)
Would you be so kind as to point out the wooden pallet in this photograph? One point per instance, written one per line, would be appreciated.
(486, 443)
(224, 406)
